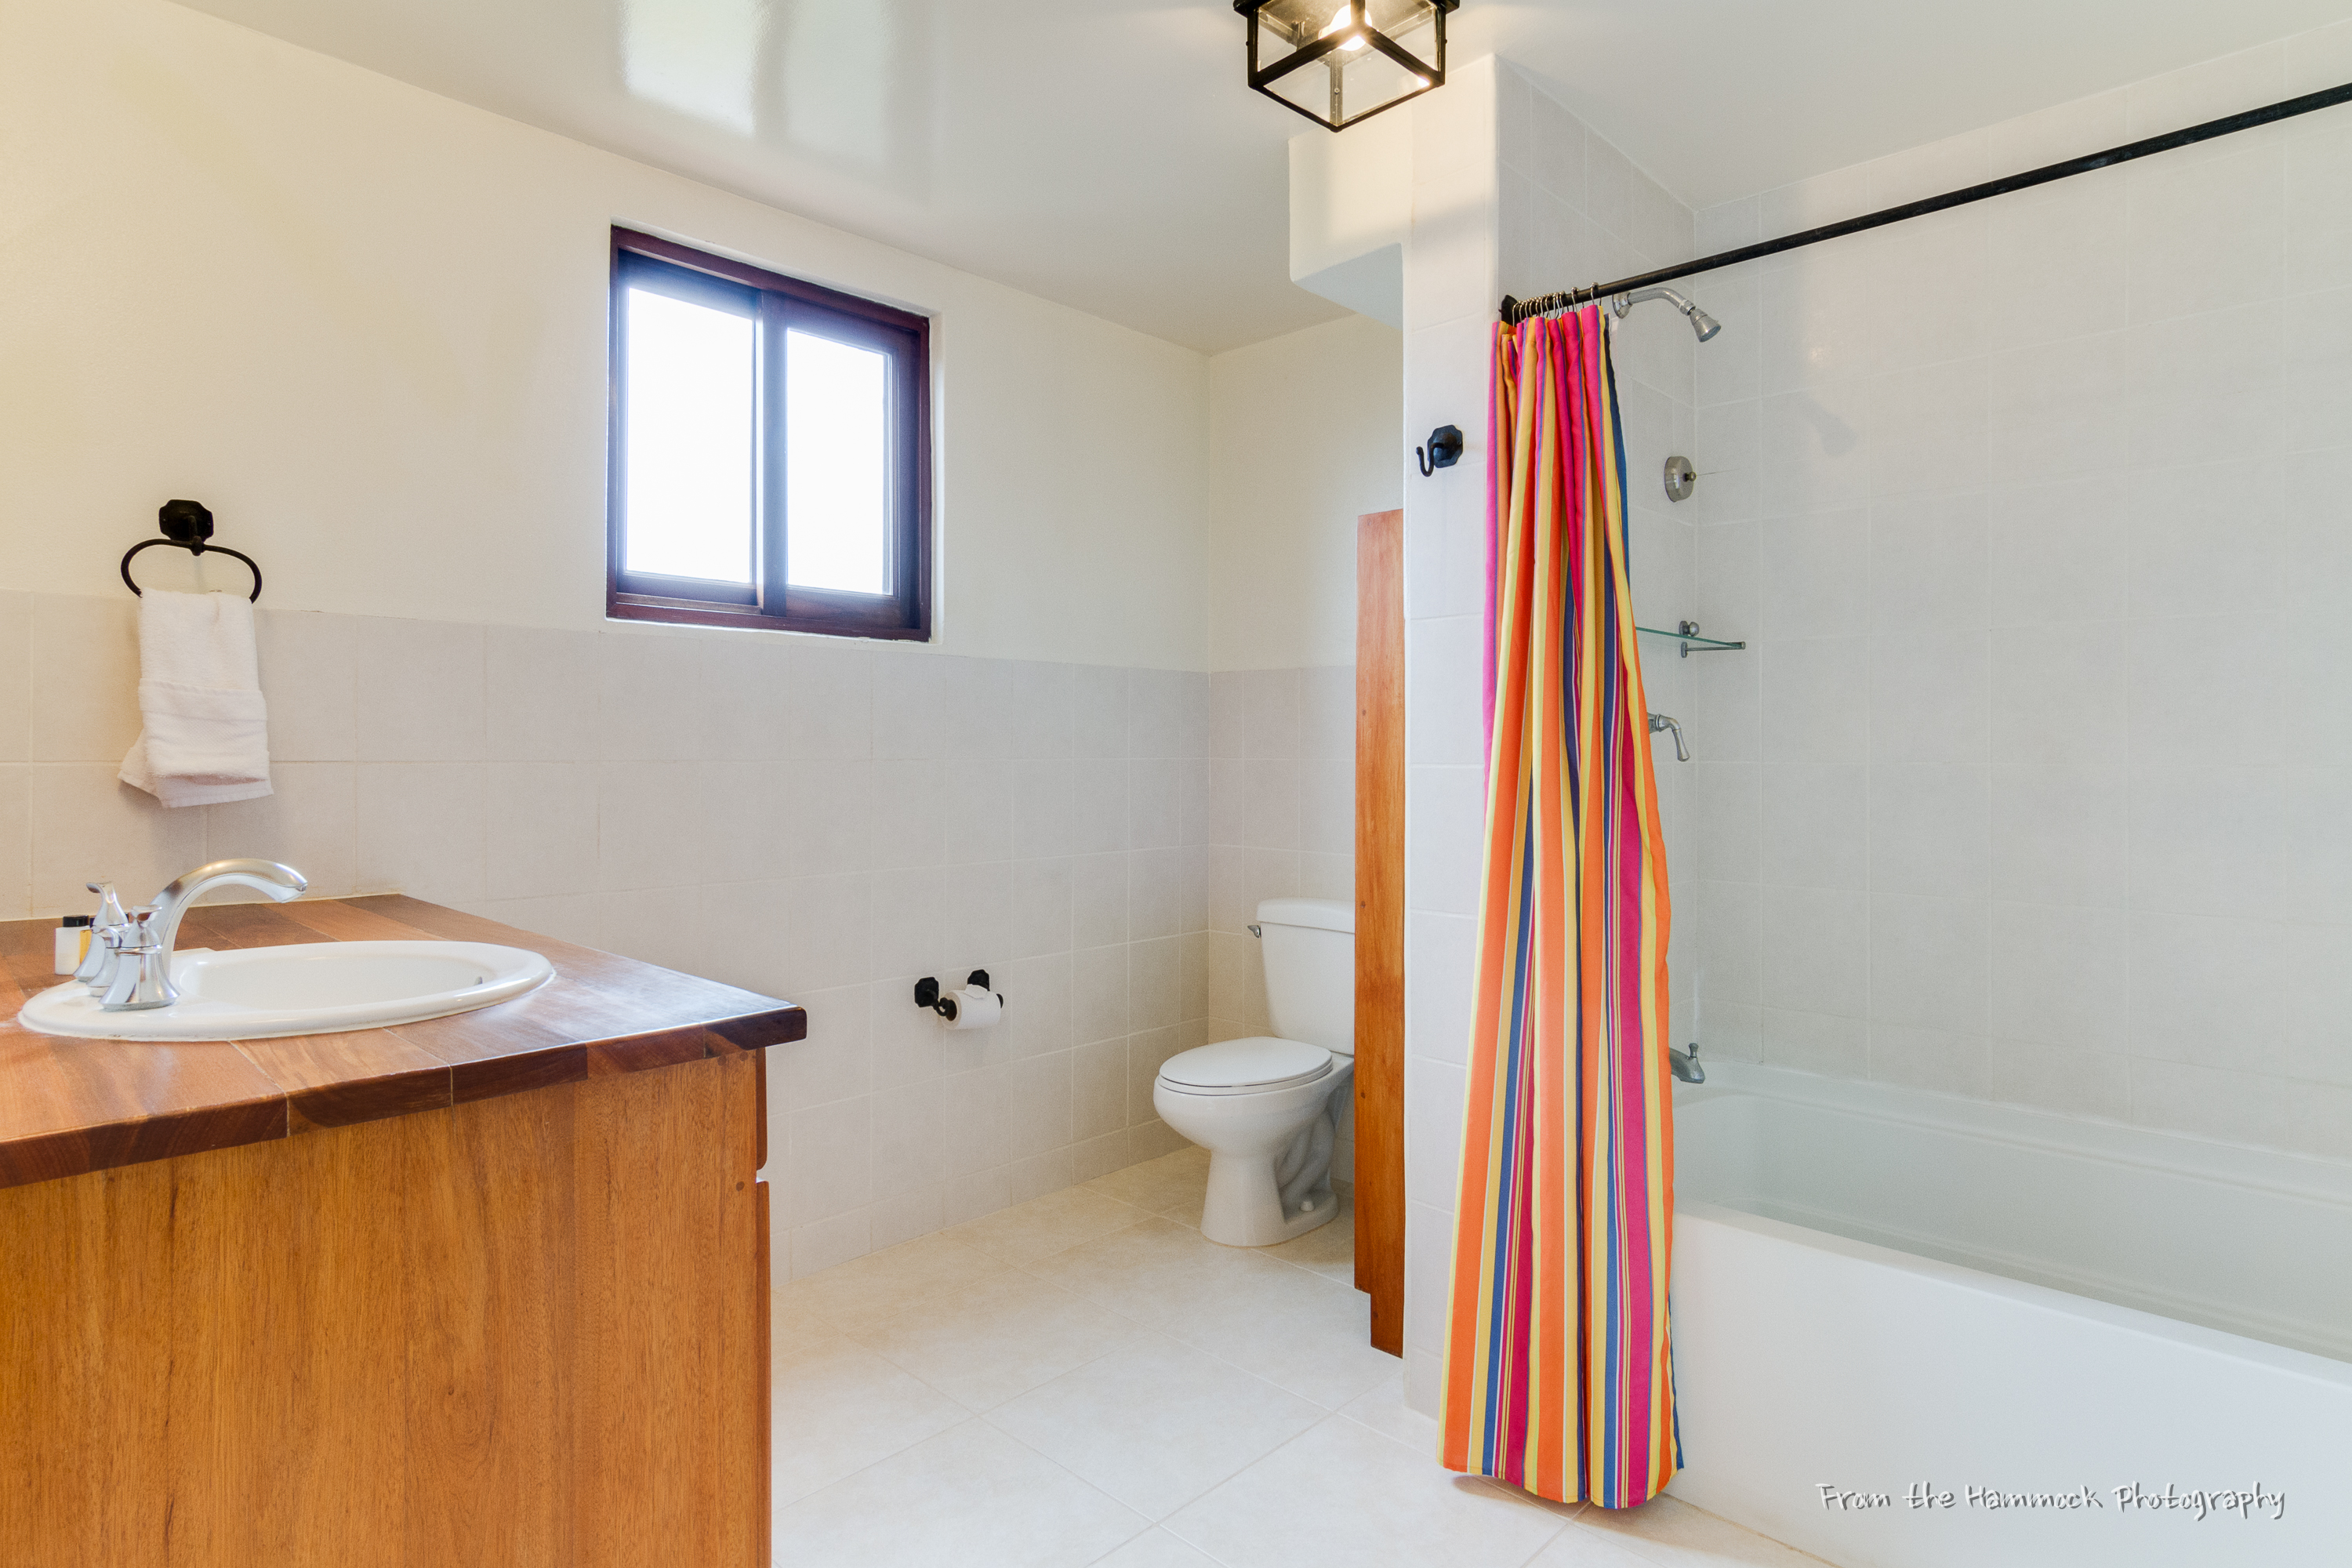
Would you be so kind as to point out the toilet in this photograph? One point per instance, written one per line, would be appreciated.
(1264, 1107)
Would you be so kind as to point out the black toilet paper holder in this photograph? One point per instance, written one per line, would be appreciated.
(927, 992)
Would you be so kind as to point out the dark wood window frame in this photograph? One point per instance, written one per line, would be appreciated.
(769, 603)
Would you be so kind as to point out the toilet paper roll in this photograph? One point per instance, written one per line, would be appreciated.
(975, 1008)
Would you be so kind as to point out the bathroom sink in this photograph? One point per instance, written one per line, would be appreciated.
(311, 988)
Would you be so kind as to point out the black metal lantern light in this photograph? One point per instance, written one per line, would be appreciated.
(1358, 47)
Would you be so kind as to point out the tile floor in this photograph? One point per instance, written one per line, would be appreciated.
(1084, 1379)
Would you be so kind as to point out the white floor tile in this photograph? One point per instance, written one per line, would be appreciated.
(1668, 1532)
(1320, 1350)
(1042, 1227)
(970, 1496)
(928, 1270)
(1132, 1370)
(1156, 1423)
(1574, 1548)
(838, 1407)
(1156, 1549)
(1164, 1273)
(1001, 1337)
(1343, 1496)
(1173, 1185)
(1382, 1408)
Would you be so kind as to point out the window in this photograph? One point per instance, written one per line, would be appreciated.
(771, 450)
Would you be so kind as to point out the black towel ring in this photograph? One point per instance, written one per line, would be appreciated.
(186, 525)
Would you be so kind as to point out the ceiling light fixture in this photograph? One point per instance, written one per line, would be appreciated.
(1366, 66)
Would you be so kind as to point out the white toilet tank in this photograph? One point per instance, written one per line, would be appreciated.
(1309, 947)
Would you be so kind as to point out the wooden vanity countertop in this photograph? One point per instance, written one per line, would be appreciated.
(70, 1106)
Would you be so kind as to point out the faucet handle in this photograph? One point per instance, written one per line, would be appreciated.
(142, 976)
(97, 965)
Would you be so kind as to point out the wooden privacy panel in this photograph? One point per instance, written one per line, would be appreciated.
(521, 1331)
(1379, 923)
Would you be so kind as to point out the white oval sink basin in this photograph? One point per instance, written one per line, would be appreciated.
(311, 988)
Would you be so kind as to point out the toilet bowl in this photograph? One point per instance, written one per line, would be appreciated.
(1265, 1107)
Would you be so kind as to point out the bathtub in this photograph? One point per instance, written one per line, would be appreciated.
(1917, 1331)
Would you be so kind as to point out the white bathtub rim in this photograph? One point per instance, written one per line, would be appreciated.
(2287, 1334)
(2196, 1337)
(2284, 1173)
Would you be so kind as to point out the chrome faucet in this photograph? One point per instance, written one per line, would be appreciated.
(1685, 1064)
(136, 973)
(1663, 722)
(96, 969)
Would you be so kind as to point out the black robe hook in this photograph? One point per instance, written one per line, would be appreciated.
(1445, 450)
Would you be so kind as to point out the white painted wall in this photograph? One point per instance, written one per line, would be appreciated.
(1352, 214)
(1511, 194)
(1305, 431)
(2037, 783)
(366, 325)
(2033, 784)
(1450, 288)
(1303, 436)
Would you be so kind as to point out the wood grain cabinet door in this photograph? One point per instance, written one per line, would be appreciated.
(529, 1330)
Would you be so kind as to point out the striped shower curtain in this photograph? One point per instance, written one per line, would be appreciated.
(1559, 1377)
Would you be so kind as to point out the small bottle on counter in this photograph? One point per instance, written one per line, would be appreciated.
(73, 942)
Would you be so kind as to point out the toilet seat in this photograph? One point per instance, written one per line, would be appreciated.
(1260, 1064)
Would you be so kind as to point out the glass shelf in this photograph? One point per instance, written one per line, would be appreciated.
(1686, 633)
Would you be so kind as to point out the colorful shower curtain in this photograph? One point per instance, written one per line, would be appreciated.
(1559, 1377)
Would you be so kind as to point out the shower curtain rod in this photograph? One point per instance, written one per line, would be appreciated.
(1513, 311)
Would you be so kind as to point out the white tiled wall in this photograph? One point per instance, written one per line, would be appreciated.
(1512, 195)
(2034, 782)
(2037, 783)
(1282, 823)
(815, 819)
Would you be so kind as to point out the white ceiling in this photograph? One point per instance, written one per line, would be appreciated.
(1106, 154)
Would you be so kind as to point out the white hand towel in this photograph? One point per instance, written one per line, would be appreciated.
(208, 736)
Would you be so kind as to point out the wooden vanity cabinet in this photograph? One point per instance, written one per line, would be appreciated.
(504, 1305)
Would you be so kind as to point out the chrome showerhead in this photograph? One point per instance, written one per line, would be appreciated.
(1705, 325)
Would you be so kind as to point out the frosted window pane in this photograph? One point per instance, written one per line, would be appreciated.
(691, 407)
(836, 487)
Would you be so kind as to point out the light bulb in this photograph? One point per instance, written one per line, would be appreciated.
(1341, 18)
